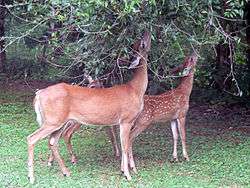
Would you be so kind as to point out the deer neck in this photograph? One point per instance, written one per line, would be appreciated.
(186, 84)
(140, 78)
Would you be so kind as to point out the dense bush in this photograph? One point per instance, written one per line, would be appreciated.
(67, 39)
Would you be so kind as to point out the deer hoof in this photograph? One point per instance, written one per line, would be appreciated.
(174, 160)
(128, 177)
(134, 170)
(117, 156)
(31, 179)
(73, 160)
(50, 163)
(66, 173)
(186, 158)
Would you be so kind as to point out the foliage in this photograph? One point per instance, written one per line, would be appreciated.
(81, 37)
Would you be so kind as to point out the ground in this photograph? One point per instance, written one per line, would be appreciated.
(218, 140)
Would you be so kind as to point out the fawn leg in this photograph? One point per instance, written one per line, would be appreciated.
(71, 127)
(67, 139)
(53, 141)
(182, 131)
(131, 157)
(175, 139)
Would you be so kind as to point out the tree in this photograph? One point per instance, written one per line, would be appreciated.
(86, 37)
(2, 31)
(247, 17)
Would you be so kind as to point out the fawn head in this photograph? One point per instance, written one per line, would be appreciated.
(188, 66)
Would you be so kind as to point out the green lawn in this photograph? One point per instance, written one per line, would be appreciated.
(219, 158)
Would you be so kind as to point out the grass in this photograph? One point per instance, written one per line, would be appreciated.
(218, 158)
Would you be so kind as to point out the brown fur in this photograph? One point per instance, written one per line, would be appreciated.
(74, 126)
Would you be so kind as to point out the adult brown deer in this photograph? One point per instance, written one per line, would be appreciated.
(61, 103)
(74, 126)
(170, 106)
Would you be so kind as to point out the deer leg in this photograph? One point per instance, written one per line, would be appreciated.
(51, 156)
(137, 129)
(124, 136)
(67, 135)
(39, 134)
(175, 139)
(112, 135)
(134, 133)
(182, 131)
(53, 141)
(131, 157)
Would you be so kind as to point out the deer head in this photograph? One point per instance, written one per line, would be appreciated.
(141, 49)
(188, 66)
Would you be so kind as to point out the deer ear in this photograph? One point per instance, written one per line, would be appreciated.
(137, 45)
(146, 41)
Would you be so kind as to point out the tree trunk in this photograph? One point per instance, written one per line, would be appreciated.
(224, 58)
(222, 67)
(247, 17)
(2, 43)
